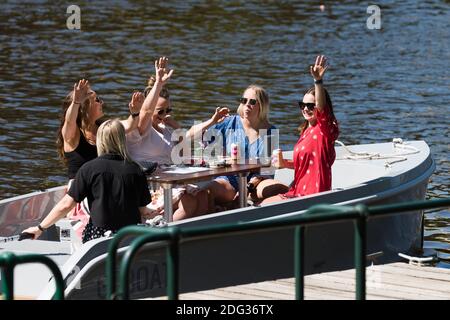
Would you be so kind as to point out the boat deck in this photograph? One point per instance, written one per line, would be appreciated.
(395, 281)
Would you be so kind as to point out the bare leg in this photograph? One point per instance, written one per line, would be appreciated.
(269, 187)
(203, 203)
(222, 191)
(273, 199)
(187, 206)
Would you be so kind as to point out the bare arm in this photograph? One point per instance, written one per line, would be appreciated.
(318, 71)
(198, 129)
(61, 209)
(162, 76)
(70, 130)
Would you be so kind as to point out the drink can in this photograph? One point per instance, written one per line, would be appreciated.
(277, 158)
(234, 151)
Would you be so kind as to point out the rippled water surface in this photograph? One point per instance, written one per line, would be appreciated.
(393, 82)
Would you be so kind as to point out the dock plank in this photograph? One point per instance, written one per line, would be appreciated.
(395, 281)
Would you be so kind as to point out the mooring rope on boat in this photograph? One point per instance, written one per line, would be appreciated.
(7, 239)
(398, 143)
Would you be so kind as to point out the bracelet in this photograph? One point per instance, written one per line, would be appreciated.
(134, 115)
(74, 102)
(40, 228)
(318, 81)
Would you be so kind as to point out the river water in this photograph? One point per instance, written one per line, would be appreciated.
(384, 83)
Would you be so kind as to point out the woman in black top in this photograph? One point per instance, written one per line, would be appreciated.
(76, 134)
(115, 186)
(82, 109)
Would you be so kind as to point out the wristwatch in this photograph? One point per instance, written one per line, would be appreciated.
(40, 228)
(134, 115)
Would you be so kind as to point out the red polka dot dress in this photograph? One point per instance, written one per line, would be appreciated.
(313, 156)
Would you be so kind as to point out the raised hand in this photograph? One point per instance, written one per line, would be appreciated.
(220, 114)
(162, 72)
(81, 91)
(319, 68)
(135, 105)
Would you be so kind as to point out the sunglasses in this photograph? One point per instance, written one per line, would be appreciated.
(162, 111)
(251, 102)
(97, 99)
(309, 105)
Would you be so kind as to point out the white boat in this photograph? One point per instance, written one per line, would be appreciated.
(387, 173)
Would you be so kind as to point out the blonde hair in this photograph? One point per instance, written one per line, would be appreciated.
(111, 139)
(263, 99)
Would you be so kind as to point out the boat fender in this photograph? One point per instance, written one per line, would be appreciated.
(419, 261)
(157, 222)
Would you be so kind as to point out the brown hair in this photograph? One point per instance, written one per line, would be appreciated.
(81, 122)
(312, 91)
(164, 93)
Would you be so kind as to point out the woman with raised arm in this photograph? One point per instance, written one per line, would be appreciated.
(76, 139)
(314, 152)
(76, 134)
(152, 141)
(115, 186)
(82, 110)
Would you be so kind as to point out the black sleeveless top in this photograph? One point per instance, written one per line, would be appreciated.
(83, 153)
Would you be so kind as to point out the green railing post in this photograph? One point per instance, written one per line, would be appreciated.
(320, 214)
(360, 251)
(173, 264)
(125, 264)
(9, 260)
(7, 263)
(299, 262)
(111, 257)
(170, 234)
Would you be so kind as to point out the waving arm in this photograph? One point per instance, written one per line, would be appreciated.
(70, 130)
(162, 76)
(220, 114)
(317, 72)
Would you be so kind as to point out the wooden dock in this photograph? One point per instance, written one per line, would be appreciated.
(384, 282)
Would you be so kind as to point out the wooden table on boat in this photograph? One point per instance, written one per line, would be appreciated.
(169, 180)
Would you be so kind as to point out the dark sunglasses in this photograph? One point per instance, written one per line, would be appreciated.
(97, 99)
(309, 105)
(167, 111)
(252, 102)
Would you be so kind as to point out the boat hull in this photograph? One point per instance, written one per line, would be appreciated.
(219, 261)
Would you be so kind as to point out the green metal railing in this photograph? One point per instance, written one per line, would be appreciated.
(318, 214)
(8, 261)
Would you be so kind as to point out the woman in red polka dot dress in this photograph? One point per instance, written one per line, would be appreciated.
(314, 152)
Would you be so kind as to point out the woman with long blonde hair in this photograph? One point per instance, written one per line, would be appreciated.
(248, 129)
